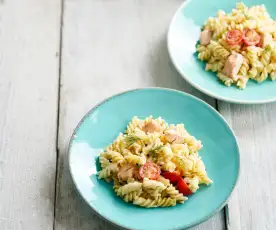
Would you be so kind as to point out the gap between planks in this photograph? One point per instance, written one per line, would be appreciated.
(58, 107)
(225, 209)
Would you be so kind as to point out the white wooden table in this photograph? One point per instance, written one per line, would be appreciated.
(57, 60)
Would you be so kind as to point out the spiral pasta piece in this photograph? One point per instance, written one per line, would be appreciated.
(128, 197)
(214, 67)
(244, 68)
(218, 50)
(273, 75)
(131, 196)
(273, 53)
(242, 82)
(212, 23)
(253, 72)
(129, 188)
(204, 55)
(103, 161)
(134, 159)
(252, 56)
(220, 30)
(108, 171)
(263, 75)
(168, 166)
(150, 203)
(164, 181)
(271, 67)
(135, 123)
(114, 156)
(265, 59)
(193, 183)
(173, 193)
(153, 185)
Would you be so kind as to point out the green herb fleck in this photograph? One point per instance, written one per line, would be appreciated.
(155, 150)
(131, 139)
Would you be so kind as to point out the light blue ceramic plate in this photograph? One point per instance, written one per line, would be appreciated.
(104, 122)
(183, 35)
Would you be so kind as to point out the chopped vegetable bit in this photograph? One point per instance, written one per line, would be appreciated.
(150, 170)
(234, 37)
(251, 37)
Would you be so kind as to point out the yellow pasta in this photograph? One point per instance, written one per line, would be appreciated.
(257, 58)
(150, 203)
(242, 82)
(244, 68)
(218, 50)
(226, 80)
(136, 158)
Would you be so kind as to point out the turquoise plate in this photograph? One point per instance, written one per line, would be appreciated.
(183, 35)
(103, 123)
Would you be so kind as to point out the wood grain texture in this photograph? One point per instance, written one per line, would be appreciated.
(29, 40)
(108, 47)
(253, 203)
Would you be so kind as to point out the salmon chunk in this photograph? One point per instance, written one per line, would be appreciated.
(173, 137)
(232, 66)
(151, 127)
(205, 37)
(126, 172)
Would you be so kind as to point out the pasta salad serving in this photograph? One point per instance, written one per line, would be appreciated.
(240, 45)
(153, 164)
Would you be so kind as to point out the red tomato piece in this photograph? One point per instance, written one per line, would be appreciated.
(150, 170)
(183, 188)
(251, 37)
(173, 177)
(234, 37)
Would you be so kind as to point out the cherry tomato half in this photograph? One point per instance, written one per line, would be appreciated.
(173, 177)
(251, 37)
(234, 37)
(183, 188)
(150, 170)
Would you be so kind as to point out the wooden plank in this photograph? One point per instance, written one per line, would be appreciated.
(108, 47)
(253, 203)
(29, 38)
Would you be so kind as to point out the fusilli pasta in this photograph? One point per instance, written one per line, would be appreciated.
(255, 45)
(148, 148)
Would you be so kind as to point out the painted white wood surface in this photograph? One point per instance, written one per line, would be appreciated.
(29, 40)
(253, 204)
(108, 47)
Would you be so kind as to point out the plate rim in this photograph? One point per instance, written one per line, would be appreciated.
(205, 218)
(205, 91)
